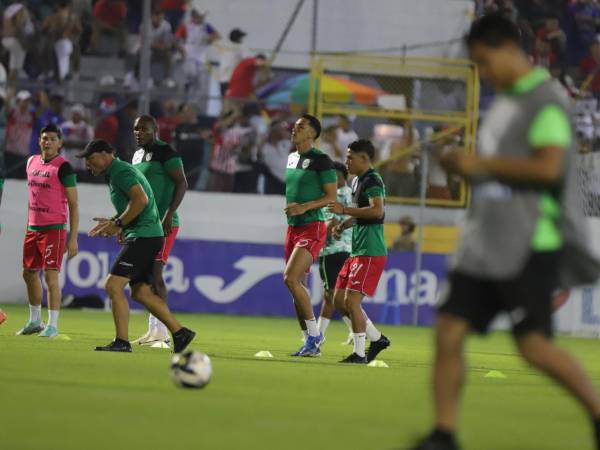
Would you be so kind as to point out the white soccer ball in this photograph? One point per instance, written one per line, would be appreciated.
(191, 369)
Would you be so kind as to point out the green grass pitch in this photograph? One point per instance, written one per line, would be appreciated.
(62, 395)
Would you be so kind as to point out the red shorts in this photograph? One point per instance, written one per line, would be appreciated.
(165, 251)
(311, 236)
(361, 274)
(44, 249)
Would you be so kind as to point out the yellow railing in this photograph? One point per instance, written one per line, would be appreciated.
(400, 76)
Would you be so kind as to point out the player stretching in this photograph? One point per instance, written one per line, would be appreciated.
(361, 272)
(523, 236)
(163, 168)
(52, 198)
(310, 184)
(335, 252)
(138, 222)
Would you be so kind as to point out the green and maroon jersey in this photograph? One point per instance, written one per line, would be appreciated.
(155, 162)
(367, 234)
(305, 177)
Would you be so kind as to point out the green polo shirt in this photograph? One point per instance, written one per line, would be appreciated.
(121, 177)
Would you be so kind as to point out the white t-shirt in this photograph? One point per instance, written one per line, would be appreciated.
(275, 157)
(231, 54)
(196, 41)
(345, 138)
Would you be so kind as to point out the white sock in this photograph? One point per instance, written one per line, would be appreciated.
(359, 343)
(348, 323)
(160, 329)
(35, 313)
(323, 323)
(304, 334)
(151, 323)
(372, 333)
(311, 326)
(53, 318)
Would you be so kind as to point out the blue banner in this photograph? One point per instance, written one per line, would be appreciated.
(245, 278)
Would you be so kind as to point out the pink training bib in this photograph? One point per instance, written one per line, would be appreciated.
(47, 195)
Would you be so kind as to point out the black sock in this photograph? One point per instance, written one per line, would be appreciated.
(597, 432)
(440, 435)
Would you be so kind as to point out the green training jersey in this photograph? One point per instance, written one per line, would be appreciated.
(367, 234)
(121, 177)
(344, 244)
(155, 162)
(305, 177)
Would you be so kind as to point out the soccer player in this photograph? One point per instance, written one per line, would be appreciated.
(361, 272)
(310, 184)
(523, 236)
(335, 252)
(138, 222)
(163, 168)
(52, 201)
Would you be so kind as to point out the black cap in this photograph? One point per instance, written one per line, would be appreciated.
(96, 146)
(236, 34)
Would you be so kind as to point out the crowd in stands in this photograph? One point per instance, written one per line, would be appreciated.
(243, 149)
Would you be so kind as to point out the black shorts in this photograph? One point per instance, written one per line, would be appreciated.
(330, 266)
(136, 259)
(527, 298)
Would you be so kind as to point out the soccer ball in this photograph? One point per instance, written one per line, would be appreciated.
(191, 369)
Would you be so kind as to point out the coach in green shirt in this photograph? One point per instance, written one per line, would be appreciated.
(138, 222)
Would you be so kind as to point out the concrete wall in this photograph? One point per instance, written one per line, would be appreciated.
(344, 25)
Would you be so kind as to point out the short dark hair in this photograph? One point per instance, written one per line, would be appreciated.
(314, 124)
(51, 128)
(96, 146)
(493, 30)
(341, 168)
(363, 146)
(148, 119)
(261, 56)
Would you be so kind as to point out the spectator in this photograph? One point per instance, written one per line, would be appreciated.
(17, 34)
(231, 55)
(536, 11)
(18, 135)
(274, 154)
(542, 54)
(195, 35)
(587, 17)
(108, 126)
(590, 67)
(77, 132)
(330, 146)
(405, 241)
(161, 43)
(246, 154)
(63, 29)
(243, 82)
(190, 142)
(109, 18)
(168, 121)
(226, 142)
(49, 111)
(174, 11)
(345, 134)
(556, 39)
